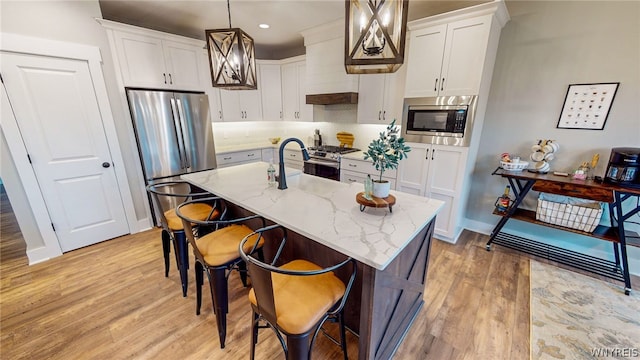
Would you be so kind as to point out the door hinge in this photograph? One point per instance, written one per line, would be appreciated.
(53, 227)
(29, 158)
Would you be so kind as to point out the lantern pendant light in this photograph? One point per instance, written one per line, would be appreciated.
(375, 35)
(231, 58)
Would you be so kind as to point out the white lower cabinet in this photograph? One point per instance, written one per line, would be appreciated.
(270, 155)
(352, 170)
(293, 159)
(437, 171)
(238, 157)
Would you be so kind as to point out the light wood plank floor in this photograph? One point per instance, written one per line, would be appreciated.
(112, 301)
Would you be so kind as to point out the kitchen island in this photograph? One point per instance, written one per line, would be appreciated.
(325, 223)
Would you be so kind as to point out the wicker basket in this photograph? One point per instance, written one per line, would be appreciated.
(514, 166)
(584, 216)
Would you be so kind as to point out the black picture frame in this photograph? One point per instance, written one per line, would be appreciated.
(587, 106)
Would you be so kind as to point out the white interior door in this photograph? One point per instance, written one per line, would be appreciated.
(55, 105)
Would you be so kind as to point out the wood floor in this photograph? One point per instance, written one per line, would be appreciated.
(112, 301)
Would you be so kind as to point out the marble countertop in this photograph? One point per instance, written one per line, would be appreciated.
(324, 210)
(252, 146)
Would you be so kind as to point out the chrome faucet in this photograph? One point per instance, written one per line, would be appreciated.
(282, 178)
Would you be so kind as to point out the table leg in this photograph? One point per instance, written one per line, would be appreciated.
(623, 242)
(520, 196)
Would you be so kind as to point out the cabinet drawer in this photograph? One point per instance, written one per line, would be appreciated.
(365, 167)
(352, 176)
(575, 190)
(238, 157)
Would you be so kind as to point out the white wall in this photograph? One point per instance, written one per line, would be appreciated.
(546, 46)
(74, 21)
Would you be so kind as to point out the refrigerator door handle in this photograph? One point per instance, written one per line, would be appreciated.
(184, 144)
(178, 127)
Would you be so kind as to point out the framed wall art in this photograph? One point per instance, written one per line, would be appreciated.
(587, 106)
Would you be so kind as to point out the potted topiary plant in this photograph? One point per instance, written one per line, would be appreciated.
(386, 152)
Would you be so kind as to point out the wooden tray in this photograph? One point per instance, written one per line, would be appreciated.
(375, 202)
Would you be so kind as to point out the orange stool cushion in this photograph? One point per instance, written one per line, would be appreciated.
(195, 211)
(221, 246)
(301, 301)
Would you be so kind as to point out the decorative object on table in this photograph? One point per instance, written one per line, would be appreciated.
(274, 140)
(583, 171)
(574, 213)
(375, 202)
(385, 153)
(572, 314)
(624, 167)
(375, 35)
(345, 139)
(586, 106)
(512, 163)
(542, 153)
(504, 201)
(232, 58)
(368, 187)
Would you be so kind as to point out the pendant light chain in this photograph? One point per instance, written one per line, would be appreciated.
(229, 12)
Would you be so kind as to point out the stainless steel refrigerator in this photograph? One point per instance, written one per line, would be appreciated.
(173, 131)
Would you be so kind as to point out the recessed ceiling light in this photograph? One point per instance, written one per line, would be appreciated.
(264, 26)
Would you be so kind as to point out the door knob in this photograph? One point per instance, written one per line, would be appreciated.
(105, 164)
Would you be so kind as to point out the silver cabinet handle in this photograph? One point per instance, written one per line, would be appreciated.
(170, 79)
(165, 77)
(442, 85)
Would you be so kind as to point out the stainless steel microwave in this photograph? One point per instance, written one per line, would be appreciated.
(445, 120)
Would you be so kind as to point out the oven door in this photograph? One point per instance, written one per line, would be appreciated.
(322, 168)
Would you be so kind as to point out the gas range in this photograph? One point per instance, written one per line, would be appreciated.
(329, 152)
(325, 161)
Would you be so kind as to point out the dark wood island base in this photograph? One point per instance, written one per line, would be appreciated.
(383, 303)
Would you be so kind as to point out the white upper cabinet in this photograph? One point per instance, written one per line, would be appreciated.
(241, 105)
(294, 103)
(447, 59)
(270, 87)
(379, 101)
(149, 59)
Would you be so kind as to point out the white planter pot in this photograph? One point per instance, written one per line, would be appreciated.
(381, 189)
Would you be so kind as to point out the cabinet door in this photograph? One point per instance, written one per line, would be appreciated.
(412, 171)
(250, 105)
(290, 101)
(371, 93)
(464, 56)
(305, 112)
(271, 91)
(230, 103)
(141, 60)
(446, 175)
(424, 64)
(393, 98)
(183, 65)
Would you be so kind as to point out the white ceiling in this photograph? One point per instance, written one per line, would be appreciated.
(287, 18)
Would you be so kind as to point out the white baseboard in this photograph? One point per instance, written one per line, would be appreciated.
(39, 255)
(144, 225)
(633, 253)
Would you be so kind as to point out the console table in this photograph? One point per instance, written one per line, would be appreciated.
(523, 181)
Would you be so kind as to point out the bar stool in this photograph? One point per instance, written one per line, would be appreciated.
(294, 299)
(217, 253)
(165, 197)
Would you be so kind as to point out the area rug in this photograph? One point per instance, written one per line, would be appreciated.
(574, 316)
